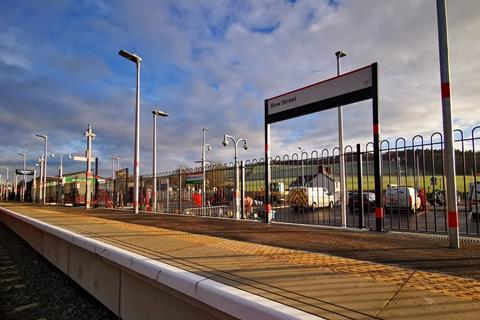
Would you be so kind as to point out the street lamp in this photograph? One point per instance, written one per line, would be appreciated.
(7, 192)
(303, 173)
(237, 192)
(60, 172)
(343, 190)
(24, 155)
(205, 147)
(45, 153)
(113, 165)
(136, 161)
(156, 113)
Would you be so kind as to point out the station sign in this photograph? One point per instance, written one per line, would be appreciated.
(24, 172)
(83, 159)
(347, 88)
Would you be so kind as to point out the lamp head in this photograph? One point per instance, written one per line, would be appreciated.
(130, 56)
(53, 155)
(225, 142)
(159, 113)
(340, 54)
(245, 145)
(209, 148)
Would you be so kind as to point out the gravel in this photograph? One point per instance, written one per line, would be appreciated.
(32, 288)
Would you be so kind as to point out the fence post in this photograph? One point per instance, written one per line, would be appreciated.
(168, 195)
(180, 191)
(242, 186)
(361, 212)
(236, 192)
(97, 185)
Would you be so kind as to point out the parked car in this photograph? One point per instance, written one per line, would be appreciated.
(368, 201)
(402, 199)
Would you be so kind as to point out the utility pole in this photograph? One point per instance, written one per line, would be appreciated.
(88, 196)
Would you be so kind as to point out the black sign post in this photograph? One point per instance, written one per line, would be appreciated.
(351, 87)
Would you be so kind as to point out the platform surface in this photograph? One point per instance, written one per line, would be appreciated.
(330, 273)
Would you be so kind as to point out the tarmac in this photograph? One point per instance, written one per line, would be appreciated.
(331, 273)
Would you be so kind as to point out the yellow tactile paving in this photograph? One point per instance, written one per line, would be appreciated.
(259, 268)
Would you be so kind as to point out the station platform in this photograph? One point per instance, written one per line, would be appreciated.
(315, 272)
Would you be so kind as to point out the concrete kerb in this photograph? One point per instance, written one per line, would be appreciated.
(233, 301)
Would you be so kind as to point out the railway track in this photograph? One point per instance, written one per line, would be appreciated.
(33, 289)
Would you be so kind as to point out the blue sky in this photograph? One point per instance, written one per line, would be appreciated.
(211, 64)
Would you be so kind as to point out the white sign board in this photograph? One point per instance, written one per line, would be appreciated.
(325, 91)
(82, 158)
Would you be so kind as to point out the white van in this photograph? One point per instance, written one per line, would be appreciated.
(474, 197)
(310, 197)
(402, 198)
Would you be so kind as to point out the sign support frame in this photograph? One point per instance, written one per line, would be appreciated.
(329, 102)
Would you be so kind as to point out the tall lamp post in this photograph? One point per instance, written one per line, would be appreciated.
(156, 113)
(7, 184)
(22, 195)
(88, 178)
(45, 148)
(343, 191)
(303, 172)
(60, 173)
(205, 147)
(237, 191)
(136, 161)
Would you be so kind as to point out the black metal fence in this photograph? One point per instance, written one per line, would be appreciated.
(305, 188)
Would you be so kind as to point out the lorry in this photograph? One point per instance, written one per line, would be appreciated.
(310, 197)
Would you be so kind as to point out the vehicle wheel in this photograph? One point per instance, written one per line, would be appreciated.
(314, 206)
(330, 205)
(295, 209)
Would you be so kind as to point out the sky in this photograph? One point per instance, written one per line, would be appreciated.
(212, 63)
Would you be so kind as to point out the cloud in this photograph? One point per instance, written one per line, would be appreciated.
(212, 64)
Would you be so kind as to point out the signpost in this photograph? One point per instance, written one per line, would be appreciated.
(24, 172)
(354, 86)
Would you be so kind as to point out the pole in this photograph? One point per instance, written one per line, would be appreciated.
(136, 161)
(24, 177)
(40, 197)
(268, 206)
(204, 188)
(7, 195)
(242, 192)
(154, 169)
(180, 191)
(343, 191)
(168, 194)
(97, 185)
(361, 213)
(377, 157)
(34, 187)
(62, 185)
(88, 196)
(45, 170)
(449, 154)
